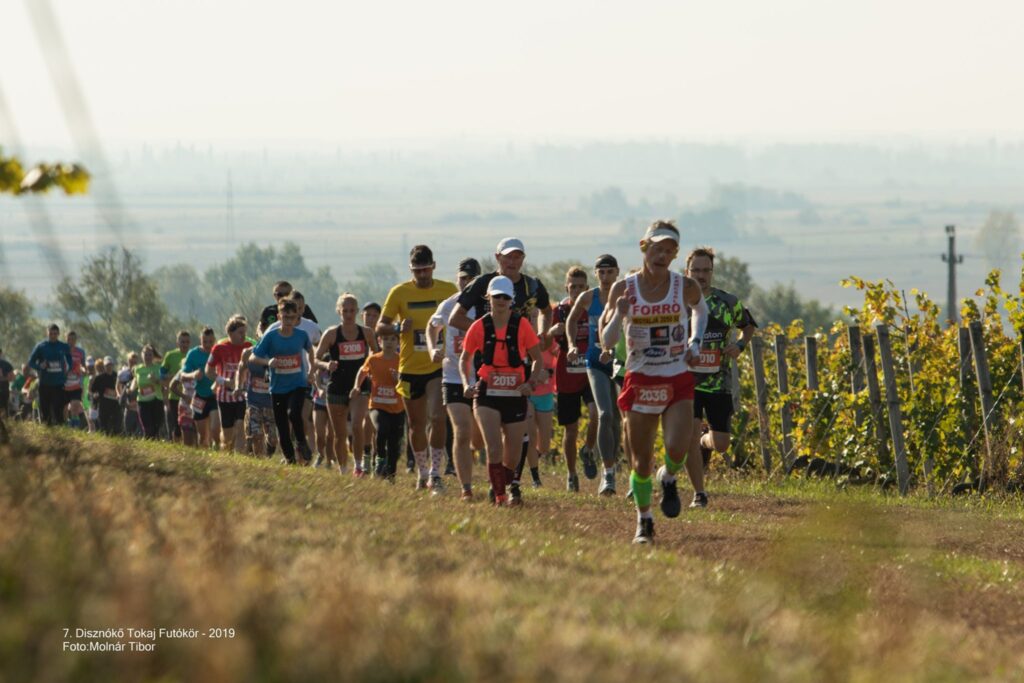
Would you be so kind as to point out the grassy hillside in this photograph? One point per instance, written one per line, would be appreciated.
(325, 578)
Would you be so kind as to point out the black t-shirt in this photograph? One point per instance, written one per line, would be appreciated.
(5, 386)
(102, 383)
(530, 295)
(269, 316)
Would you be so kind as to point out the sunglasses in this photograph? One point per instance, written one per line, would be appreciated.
(501, 297)
(278, 295)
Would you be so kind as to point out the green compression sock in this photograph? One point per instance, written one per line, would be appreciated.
(641, 489)
(672, 466)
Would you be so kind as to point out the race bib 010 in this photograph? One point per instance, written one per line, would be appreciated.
(709, 361)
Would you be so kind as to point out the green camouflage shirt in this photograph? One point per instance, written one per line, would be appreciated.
(725, 312)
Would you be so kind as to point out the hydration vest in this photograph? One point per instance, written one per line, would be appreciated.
(511, 340)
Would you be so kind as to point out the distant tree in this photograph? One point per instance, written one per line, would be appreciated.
(19, 330)
(715, 224)
(999, 239)
(782, 304)
(553, 276)
(114, 307)
(609, 203)
(731, 275)
(244, 283)
(181, 289)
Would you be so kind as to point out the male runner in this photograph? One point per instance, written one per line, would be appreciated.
(713, 394)
(652, 305)
(194, 368)
(168, 369)
(222, 369)
(268, 317)
(574, 390)
(413, 303)
(52, 360)
(73, 383)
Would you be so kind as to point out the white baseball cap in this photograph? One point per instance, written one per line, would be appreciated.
(662, 231)
(501, 285)
(510, 244)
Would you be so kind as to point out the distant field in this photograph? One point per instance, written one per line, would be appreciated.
(324, 578)
(874, 235)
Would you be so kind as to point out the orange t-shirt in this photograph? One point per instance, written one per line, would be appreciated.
(383, 386)
(500, 373)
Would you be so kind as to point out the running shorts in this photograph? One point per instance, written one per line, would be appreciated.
(413, 387)
(652, 395)
(570, 406)
(512, 408)
(716, 407)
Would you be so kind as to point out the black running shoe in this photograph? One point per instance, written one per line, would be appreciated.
(589, 463)
(515, 495)
(490, 495)
(644, 531)
(700, 500)
(449, 470)
(671, 506)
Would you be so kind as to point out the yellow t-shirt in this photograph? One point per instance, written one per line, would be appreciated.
(407, 301)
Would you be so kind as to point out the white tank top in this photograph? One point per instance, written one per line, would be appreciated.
(657, 332)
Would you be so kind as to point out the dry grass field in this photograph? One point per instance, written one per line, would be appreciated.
(322, 578)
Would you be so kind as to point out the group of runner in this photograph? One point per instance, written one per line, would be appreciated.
(487, 357)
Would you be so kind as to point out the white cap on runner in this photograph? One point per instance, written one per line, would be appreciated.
(661, 231)
(510, 244)
(501, 285)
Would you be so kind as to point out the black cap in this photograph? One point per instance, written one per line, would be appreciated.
(469, 267)
(606, 261)
(372, 304)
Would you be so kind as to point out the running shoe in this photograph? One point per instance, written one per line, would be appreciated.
(449, 470)
(537, 483)
(466, 497)
(644, 531)
(589, 463)
(516, 495)
(700, 500)
(436, 486)
(671, 506)
(319, 461)
(307, 453)
(607, 487)
(572, 483)
(421, 485)
(358, 473)
(500, 501)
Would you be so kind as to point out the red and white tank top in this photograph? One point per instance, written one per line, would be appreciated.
(657, 332)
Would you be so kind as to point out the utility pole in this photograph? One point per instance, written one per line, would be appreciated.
(952, 259)
(230, 213)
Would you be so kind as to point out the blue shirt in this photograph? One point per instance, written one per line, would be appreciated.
(593, 344)
(291, 353)
(196, 360)
(51, 360)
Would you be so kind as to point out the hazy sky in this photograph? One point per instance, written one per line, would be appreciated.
(224, 72)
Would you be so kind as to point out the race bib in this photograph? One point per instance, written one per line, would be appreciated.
(54, 366)
(579, 367)
(352, 350)
(260, 385)
(419, 340)
(652, 399)
(198, 404)
(147, 391)
(185, 417)
(709, 361)
(457, 343)
(289, 365)
(385, 395)
(503, 383)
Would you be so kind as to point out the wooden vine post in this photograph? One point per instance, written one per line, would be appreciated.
(875, 395)
(857, 369)
(987, 403)
(761, 388)
(893, 401)
(785, 411)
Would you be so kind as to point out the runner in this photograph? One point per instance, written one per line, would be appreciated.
(52, 359)
(260, 431)
(186, 421)
(22, 379)
(323, 434)
(312, 329)
(499, 394)
(103, 389)
(659, 386)
(346, 346)
(543, 403)
(458, 407)
(129, 399)
(288, 352)
(91, 412)
(589, 307)
(6, 377)
(413, 302)
(222, 370)
(268, 317)
(149, 386)
(713, 393)
(371, 315)
(530, 300)
(73, 383)
(574, 390)
(387, 409)
(168, 369)
(194, 369)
